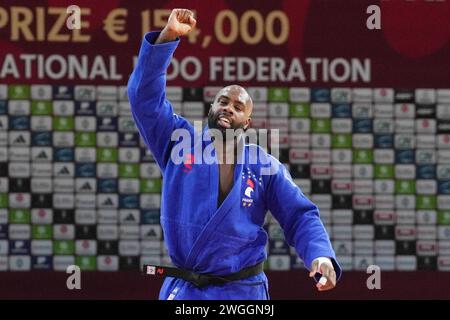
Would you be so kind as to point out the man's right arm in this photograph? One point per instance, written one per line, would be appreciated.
(153, 114)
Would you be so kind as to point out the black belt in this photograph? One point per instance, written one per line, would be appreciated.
(202, 280)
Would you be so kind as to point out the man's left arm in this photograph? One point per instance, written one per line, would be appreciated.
(303, 229)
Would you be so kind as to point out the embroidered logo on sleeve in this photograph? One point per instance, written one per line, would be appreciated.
(247, 200)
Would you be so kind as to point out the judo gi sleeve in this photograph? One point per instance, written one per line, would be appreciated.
(299, 219)
(152, 112)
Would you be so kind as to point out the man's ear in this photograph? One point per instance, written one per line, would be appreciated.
(249, 122)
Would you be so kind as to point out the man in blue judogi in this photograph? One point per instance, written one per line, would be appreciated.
(212, 212)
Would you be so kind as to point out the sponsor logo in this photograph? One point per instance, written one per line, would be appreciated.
(85, 154)
(107, 109)
(85, 93)
(19, 108)
(150, 216)
(363, 232)
(362, 95)
(386, 247)
(383, 141)
(19, 138)
(86, 185)
(42, 262)
(60, 263)
(19, 154)
(41, 139)
(85, 170)
(383, 95)
(405, 233)
(427, 172)
(424, 156)
(362, 202)
(363, 141)
(362, 111)
(107, 93)
(295, 95)
(85, 201)
(424, 111)
(19, 200)
(126, 124)
(41, 92)
(19, 123)
(129, 232)
(320, 156)
(129, 201)
(107, 216)
(404, 156)
(63, 139)
(107, 139)
(129, 248)
(85, 216)
(107, 170)
(107, 232)
(64, 154)
(404, 95)
(300, 125)
(107, 185)
(19, 247)
(425, 96)
(320, 95)
(341, 125)
(405, 110)
(41, 247)
(341, 95)
(108, 263)
(41, 216)
(19, 263)
(39, 154)
(426, 248)
(63, 92)
(361, 186)
(383, 125)
(426, 187)
(107, 124)
(63, 201)
(176, 93)
(19, 170)
(443, 95)
(404, 126)
(63, 169)
(63, 108)
(64, 184)
(130, 216)
(85, 247)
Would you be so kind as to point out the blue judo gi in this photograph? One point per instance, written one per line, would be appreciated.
(200, 236)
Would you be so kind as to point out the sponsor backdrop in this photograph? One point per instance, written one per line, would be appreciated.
(364, 120)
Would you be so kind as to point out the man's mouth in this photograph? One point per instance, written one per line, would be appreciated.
(224, 122)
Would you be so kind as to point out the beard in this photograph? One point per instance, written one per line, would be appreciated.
(214, 122)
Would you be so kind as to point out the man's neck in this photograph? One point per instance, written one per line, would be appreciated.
(226, 151)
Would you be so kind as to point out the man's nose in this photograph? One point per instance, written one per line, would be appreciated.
(228, 109)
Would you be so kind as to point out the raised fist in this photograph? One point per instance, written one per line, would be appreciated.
(180, 22)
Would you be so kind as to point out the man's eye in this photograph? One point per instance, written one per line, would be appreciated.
(223, 103)
(238, 107)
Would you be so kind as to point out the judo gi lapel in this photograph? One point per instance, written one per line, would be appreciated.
(219, 213)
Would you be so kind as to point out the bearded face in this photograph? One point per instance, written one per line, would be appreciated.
(231, 109)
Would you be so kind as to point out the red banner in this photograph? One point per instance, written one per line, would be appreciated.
(284, 43)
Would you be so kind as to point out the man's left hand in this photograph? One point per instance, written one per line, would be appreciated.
(328, 280)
